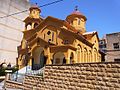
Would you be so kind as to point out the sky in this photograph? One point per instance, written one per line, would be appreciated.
(103, 16)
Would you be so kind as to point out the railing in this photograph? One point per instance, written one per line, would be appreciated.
(36, 72)
(18, 77)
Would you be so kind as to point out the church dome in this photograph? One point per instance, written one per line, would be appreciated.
(35, 6)
(75, 13)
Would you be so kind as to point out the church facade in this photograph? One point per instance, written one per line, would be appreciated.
(55, 41)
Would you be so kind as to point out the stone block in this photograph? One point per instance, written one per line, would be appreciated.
(82, 77)
(86, 65)
(93, 73)
(71, 87)
(109, 74)
(108, 65)
(105, 79)
(82, 85)
(100, 74)
(86, 73)
(89, 69)
(98, 78)
(82, 68)
(101, 83)
(90, 78)
(93, 65)
(112, 88)
(96, 69)
(101, 65)
(77, 68)
(114, 80)
(79, 72)
(116, 75)
(98, 87)
(115, 65)
(90, 86)
(104, 88)
(108, 84)
(111, 70)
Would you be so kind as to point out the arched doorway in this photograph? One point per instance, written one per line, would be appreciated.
(59, 58)
(38, 58)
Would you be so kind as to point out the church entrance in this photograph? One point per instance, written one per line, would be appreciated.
(39, 59)
(59, 58)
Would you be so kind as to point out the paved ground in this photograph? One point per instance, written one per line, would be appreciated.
(1, 85)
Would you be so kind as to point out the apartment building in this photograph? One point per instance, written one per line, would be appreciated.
(11, 27)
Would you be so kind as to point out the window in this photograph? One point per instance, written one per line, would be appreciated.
(66, 42)
(29, 26)
(48, 32)
(79, 22)
(35, 25)
(116, 45)
(53, 36)
(117, 60)
(44, 36)
(64, 60)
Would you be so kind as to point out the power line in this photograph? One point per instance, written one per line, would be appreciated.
(28, 10)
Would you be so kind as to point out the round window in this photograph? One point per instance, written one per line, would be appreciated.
(48, 32)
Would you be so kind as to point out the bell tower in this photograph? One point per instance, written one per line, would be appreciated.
(77, 20)
(34, 11)
(34, 19)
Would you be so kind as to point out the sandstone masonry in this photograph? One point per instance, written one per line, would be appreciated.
(92, 76)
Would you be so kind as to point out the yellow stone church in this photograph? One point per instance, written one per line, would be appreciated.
(55, 41)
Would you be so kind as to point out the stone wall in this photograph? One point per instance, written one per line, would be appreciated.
(95, 76)
(13, 84)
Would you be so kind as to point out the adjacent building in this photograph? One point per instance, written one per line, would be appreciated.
(55, 41)
(113, 47)
(10, 28)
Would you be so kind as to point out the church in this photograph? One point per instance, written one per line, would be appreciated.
(51, 41)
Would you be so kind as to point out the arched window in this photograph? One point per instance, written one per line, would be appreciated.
(95, 55)
(52, 36)
(79, 22)
(90, 56)
(64, 60)
(35, 25)
(71, 58)
(85, 55)
(59, 58)
(79, 52)
(29, 26)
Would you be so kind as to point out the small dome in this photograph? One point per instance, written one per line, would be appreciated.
(35, 6)
(76, 13)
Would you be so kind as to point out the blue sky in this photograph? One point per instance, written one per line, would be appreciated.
(102, 15)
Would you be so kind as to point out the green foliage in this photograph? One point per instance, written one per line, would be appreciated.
(2, 70)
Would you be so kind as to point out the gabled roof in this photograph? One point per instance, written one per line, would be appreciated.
(65, 23)
(32, 19)
(79, 37)
(69, 28)
(90, 34)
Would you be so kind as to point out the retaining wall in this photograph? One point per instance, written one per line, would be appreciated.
(86, 76)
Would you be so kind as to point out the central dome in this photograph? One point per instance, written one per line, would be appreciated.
(76, 13)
